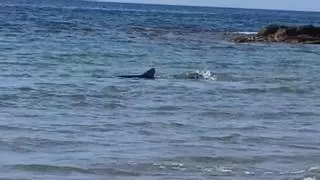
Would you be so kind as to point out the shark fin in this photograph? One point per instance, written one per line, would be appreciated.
(149, 74)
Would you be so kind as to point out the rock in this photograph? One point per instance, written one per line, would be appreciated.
(313, 42)
(309, 30)
(245, 39)
(280, 33)
(271, 29)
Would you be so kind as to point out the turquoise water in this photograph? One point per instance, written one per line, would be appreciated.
(217, 109)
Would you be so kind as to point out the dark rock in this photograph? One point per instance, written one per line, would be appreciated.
(270, 29)
(313, 42)
(292, 31)
(309, 30)
(280, 33)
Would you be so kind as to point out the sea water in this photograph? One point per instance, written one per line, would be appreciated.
(216, 110)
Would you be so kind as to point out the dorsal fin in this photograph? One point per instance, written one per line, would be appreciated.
(149, 74)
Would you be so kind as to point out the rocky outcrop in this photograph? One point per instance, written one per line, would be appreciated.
(308, 34)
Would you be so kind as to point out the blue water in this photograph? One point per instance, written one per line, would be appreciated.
(217, 109)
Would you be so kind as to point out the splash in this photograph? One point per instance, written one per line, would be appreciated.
(198, 74)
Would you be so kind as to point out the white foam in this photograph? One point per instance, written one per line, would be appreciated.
(247, 32)
(224, 170)
(174, 164)
(249, 173)
(179, 168)
(207, 75)
(298, 172)
(210, 170)
(310, 178)
(316, 168)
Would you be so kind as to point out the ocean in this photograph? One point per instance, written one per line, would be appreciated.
(216, 110)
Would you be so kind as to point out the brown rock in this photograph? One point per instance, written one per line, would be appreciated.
(279, 33)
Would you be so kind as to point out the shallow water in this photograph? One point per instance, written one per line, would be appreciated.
(217, 110)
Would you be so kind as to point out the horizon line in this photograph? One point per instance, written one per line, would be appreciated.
(204, 6)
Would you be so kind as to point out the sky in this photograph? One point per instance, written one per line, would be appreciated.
(305, 5)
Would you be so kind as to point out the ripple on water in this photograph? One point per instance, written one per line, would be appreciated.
(64, 170)
(233, 138)
(214, 160)
(156, 125)
(12, 146)
(45, 145)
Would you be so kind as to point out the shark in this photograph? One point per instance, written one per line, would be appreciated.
(147, 75)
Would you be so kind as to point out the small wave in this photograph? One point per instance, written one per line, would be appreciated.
(12, 128)
(13, 147)
(280, 89)
(315, 169)
(19, 75)
(41, 143)
(224, 170)
(219, 159)
(306, 147)
(311, 174)
(160, 125)
(246, 32)
(50, 168)
(174, 34)
(25, 88)
(41, 168)
(198, 74)
(171, 166)
(229, 138)
(159, 31)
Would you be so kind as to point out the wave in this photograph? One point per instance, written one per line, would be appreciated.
(160, 125)
(219, 159)
(228, 138)
(9, 146)
(278, 89)
(184, 165)
(173, 33)
(17, 75)
(245, 32)
(54, 169)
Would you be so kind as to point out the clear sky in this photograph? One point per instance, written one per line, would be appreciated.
(306, 5)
